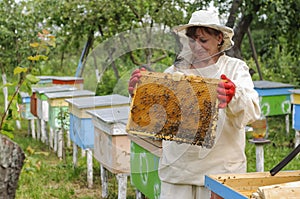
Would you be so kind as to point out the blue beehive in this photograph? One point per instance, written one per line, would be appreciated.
(25, 106)
(81, 126)
(295, 98)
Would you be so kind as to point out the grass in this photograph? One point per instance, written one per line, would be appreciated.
(281, 145)
(45, 176)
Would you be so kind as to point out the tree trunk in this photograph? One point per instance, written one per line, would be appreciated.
(241, 28)
(11, 163)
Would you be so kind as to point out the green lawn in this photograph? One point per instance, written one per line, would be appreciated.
(45, 176)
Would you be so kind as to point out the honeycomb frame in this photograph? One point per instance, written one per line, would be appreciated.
(179, 108)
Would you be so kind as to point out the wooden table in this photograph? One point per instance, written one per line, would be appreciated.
(274, 98)
(144, 159)
(42, 107)
(112, 146)
(59, 116)
(81, 125)
(242, 186)
(295, 97)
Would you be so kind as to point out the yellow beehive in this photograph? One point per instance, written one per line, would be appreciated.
(171, 107)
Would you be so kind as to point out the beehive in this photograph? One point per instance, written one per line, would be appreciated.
(182, 109)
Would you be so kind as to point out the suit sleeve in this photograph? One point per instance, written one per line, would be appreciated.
(244, 107)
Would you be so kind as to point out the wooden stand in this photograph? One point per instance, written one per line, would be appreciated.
(112, 146)
(82, 129)
(259, 147)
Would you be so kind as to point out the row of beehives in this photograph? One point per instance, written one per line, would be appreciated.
(97, 125)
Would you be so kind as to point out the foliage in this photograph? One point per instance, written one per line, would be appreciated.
(74, 22)
(41, 49)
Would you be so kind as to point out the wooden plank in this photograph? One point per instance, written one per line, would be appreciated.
(279, 191)
(222, 190)
(248, 183)
(151, 145)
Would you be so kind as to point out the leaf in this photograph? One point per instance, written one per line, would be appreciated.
(9, 84)
(42, 153)
(8, 127)
(34, 45)
(33, 79)
(30, 150)
(38, 165)
(19, 70)
(52, 42)
(43, 57)
(45, 32)
(10, 135)
(33, 58)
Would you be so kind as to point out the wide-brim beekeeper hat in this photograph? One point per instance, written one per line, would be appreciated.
(209, 19)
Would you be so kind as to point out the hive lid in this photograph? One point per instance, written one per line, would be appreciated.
(45, 77)
(69, 94)
(295, 91)
(67, 78)
(50, 89)
(111, 115)
(263, 84)
(24, 94)
(99, 101)
(182, 109)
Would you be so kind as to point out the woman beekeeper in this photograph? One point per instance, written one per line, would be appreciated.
(182, 167)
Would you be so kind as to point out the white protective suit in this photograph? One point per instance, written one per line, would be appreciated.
(188, 164)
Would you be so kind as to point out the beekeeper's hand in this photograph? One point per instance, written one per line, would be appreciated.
(226, 91)
(135, 76)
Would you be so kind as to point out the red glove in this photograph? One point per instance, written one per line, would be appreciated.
(226, 91)
(135, 76)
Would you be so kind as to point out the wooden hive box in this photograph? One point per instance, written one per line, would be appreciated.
(57, 104)
(66, 80)
(81, 125)
(274, 97)
(175, 107)
(111, 143)
(248, 185)
(144, 161)
(295, 99)
(25, 106)
(42, 105)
